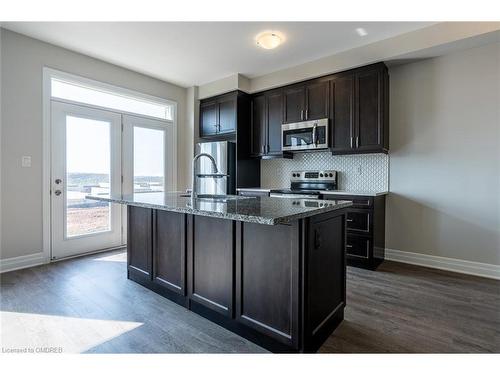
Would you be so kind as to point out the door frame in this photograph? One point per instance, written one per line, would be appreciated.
(47, 75)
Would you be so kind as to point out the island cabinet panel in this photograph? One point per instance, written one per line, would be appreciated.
(139, 244)
(325, 268)
(169, 251)
(267, 261)
(211, 263)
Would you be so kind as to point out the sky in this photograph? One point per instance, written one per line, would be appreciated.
(88, 148)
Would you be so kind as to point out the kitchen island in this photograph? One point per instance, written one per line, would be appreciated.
(269, 269)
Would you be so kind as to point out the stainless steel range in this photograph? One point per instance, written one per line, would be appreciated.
(308, 184)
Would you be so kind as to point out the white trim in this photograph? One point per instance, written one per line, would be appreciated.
(24, 261)
(449, 264)
(90, 83)
(47, 74)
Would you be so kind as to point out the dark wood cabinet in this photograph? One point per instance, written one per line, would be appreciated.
(274, 119)
(359, 114)
(211, 263)
(306, 101)
(325, 263)
(267, 117)
(280, 286)
(208, 118)
(169, 251)
(294, 103)
(342, 113)
(139, 242)
(258, 139)
(365, 226)
(268, 276)
(317, 99)
(218, 116)
(355, 101)
(370, 108)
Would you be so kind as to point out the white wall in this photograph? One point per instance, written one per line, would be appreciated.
(22, 60)
(445, 156)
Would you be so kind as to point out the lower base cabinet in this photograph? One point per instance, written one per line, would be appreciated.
(282, 287)
(365, 222)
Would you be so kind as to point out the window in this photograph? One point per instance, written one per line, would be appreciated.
(96, 96)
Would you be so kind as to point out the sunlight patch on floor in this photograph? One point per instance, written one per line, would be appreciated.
(120, 257)
(72, 335)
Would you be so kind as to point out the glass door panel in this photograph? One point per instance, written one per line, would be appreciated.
(86, 160)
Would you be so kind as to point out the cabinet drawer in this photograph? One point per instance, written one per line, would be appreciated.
(358, 246)
(359, 221)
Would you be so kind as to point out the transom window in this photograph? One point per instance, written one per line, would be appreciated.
(77, 92)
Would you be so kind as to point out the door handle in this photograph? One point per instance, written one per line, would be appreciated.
(58, 192)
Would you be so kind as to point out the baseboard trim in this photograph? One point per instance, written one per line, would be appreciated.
(442, 263)
(24, 261)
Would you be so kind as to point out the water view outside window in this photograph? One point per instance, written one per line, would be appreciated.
(149, 160)
(88, 158)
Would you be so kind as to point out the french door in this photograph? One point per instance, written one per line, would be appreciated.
(85, 159)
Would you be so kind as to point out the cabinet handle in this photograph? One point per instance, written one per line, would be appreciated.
(307, 114)
(351, 142)
(348, 220)
(263, 149)
(357, 141)
(317, 239)
(348, 246)
(302, 114)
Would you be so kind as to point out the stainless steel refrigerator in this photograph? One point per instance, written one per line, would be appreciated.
(224, 154)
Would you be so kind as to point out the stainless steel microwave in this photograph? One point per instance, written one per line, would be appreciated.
(305, 135)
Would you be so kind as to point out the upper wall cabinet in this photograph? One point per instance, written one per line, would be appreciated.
(218, 116)
(267, 117)
(306, 101)
(359, 110)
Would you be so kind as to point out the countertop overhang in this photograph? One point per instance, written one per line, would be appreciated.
(260, 210)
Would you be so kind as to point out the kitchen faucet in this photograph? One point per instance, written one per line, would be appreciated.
(215, 171)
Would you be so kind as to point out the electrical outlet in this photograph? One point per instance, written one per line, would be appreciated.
(26, 162)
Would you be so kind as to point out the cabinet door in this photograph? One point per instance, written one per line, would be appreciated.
(258, 141)
(208, 118)
(212, 264)
(341, 114)
(369, 110)
(274, 121)
(294, 104)
(317, 98)
(139, 247)
(226, 107)
(169, 251)
(267, 281)
(326, 268)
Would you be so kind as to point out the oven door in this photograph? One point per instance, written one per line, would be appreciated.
(307, 135)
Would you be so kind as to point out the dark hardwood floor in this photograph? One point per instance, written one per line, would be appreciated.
(88, 305)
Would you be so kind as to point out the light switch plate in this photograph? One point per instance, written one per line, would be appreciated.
(26, 162)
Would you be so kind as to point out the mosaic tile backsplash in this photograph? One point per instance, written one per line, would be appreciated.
(368, 172)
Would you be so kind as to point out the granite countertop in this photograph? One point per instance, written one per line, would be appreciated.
(261, 210)
(328, 192)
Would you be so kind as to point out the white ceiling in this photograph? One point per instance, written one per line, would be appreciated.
(195, 53)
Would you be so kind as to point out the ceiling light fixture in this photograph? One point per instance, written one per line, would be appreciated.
(361, 31)
(269, 39)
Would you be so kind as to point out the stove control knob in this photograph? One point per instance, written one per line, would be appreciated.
(331, 174)
(321, 175)
(294, 175)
